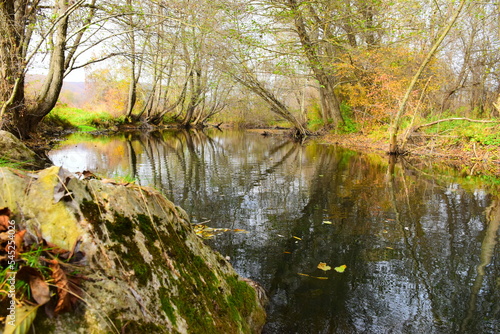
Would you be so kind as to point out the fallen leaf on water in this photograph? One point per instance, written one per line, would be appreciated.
(324, 266)
(317, 277)
(297, 238)
(340, 269)
(240, 230)
(207, 232)
(327, 222)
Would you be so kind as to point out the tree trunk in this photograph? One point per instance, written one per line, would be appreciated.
(396, 123)
(277, 107)
(132, 90)
(329, 101)
(27, 119)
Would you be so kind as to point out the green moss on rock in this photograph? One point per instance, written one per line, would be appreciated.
(166, 305)
(148, 271)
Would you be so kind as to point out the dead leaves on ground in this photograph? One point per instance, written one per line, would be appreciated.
(40, 290)
(25, 314)
(45, 268)
(68, 289)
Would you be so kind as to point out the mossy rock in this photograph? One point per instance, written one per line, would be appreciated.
(14, 153)
(146, 270)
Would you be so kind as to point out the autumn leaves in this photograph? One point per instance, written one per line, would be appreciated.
(41, 272)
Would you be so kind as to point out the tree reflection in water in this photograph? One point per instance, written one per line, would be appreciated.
(421, 254)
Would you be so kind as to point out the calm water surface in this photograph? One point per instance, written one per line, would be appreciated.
(422, 255)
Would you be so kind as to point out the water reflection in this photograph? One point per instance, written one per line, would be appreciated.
(421, 255)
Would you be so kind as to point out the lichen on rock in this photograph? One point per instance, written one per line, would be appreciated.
(146, 270)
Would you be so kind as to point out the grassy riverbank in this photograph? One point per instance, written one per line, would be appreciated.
(472, 147)
(66, 117)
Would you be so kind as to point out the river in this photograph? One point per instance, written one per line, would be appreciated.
(420, 250)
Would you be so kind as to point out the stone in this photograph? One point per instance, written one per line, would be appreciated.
(146, 269)
(14, 152)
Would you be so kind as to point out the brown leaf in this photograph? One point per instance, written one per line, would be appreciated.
(4, 219)
(113, 182)
(18, 240)
(39, 288)
(86, 175)
(67, 292)
(4, 236)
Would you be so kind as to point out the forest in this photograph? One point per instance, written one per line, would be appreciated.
(342, 66)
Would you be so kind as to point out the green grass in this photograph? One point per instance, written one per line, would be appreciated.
(9, 163)
(349, 125)
(68, 117)
(484, 134)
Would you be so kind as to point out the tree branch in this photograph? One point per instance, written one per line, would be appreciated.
(455, 119)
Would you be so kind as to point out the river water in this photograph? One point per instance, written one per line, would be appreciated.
(421, 251)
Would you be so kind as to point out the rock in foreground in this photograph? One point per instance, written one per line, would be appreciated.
(145, 269)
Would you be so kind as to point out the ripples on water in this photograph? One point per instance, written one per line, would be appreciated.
(422, 255)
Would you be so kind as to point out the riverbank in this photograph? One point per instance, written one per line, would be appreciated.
(468, 157)
(468, 154)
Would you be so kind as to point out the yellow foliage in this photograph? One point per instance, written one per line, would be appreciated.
(376, 80)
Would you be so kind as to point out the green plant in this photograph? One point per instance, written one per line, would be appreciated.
(349, 125)
(9, 163)
(125, 178)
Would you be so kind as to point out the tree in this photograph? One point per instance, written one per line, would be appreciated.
(20, 43)
(396, 123)
(311, 45)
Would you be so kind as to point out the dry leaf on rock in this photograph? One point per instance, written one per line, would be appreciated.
(67, 293)
(54, 249)
(4, 219)
(18, 240)
(25, 315)
(87, 175)
(39, 288)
